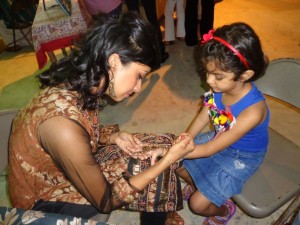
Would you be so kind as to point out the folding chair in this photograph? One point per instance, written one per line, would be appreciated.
(18, 15)
(278, 180)
(6, 118)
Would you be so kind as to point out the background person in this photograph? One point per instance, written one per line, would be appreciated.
(150, 11)
(169, 21)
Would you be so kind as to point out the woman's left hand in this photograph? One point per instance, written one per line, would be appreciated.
(128, 143)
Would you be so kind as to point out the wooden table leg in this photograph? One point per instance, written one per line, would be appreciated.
(64, 51)
(52, 57)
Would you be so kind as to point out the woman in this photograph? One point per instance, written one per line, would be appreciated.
(52, 166)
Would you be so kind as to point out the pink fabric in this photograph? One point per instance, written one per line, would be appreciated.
(96, 6)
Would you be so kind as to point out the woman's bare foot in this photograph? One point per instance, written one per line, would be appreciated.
(173, 218)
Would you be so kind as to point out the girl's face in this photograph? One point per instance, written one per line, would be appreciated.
(218, 80)
(126, 79)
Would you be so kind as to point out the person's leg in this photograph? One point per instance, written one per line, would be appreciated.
(180, 31)
(133, 5)
(207, 16)
(169, 21)
(191, 22)
(198, 203)
(183, 173)
(150, 11)
(202, 206)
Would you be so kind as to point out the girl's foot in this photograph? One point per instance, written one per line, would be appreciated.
(173, 218)
(187, 191)
(222, 220)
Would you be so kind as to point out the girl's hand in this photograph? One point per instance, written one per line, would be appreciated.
(183, 145)
(128, 143)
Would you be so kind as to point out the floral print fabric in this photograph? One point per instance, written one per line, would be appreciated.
(13, 216)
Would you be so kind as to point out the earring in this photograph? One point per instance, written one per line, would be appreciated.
(111, 89)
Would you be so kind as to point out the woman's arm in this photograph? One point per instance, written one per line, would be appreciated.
(69, 145)
(182, 146)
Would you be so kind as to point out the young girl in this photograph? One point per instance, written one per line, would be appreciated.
(225, 158)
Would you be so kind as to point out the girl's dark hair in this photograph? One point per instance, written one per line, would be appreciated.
(131, 37)
(243, 38)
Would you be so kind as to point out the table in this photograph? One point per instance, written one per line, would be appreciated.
(52, 29)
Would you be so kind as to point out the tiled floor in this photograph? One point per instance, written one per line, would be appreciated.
(170, 96)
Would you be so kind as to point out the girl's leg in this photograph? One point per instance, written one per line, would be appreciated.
(202, 206)
(183, 173)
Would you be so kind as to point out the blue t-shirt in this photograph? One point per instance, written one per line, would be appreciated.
(256, 139)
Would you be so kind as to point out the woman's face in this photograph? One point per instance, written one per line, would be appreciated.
(126, 79)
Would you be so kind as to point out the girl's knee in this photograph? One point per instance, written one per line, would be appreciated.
(199, 204)
(197, 207)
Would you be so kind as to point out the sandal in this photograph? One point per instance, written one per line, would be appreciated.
(173, 218)
(187, 191)
(222, 220)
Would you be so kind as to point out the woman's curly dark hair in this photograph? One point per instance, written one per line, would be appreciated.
(131, 37)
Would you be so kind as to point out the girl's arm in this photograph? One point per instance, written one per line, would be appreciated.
(199, 123)
(246, 121)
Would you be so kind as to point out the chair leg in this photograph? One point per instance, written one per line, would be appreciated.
(25, 35)
(15, 47)
(295, 204)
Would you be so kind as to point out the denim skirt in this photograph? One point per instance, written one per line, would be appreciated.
(223, 174)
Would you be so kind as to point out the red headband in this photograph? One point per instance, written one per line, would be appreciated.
(210, 35)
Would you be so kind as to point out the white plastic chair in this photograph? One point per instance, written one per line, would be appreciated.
(278, 180)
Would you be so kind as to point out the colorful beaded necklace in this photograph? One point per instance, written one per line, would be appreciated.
(222, 119)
